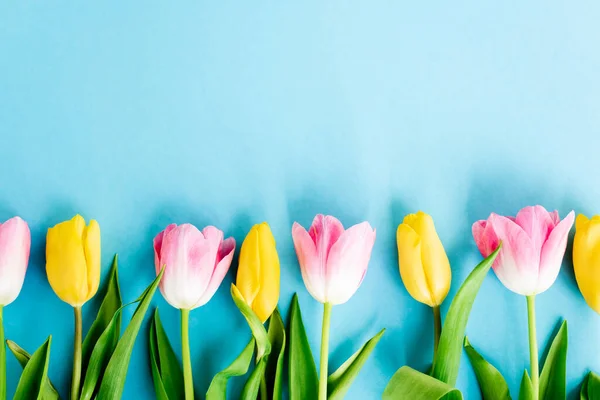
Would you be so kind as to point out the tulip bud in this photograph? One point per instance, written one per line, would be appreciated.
(73, 260)
(258, 271)
(424, 265)
(333, 261)
(586, 259)
(195, 263)
(15, 242)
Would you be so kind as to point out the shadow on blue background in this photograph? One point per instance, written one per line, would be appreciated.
(139, 115)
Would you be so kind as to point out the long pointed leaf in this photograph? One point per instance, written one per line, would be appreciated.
(159, 387)
(274, 370)
(303, 378)
(491, 382)
(218, 387)
(116, 371)
(34, 374)
(414, 385)
(252, 385)
(163, 357)
(553, 380)
(110, 304)
(526, 391)
(590, 389)
(339, 382)
(49, 392)
(447, 360)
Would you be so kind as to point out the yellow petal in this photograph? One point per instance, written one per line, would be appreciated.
(411, 268)
(586, 259)
(65, 261)
(248, 273)
(264, 304)
(91, 247)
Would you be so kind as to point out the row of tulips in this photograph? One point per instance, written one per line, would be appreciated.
(525, 252)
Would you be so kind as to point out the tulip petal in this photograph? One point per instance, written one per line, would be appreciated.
(266, 301)
(188, 266)
(309, 262)
(224, 258)
(65, 261)
(537, 224)
(158, 240)
(15, 244)
(553, 253)
(348, 261)
(485, 237)
(517, 263)
(411, 266)
(248, 273)
(325, 232)
(91, 248)
(214, 237)
(586, 259)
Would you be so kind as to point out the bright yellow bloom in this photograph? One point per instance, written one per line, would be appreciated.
(258, 271)
(424, 266)
(73, 260)
(586, 259)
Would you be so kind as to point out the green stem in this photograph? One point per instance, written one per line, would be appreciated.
(263, 389)
(185, 349)
(324, 351)
(2, 357)
(437, 329)
(533, 349)
(75, 383)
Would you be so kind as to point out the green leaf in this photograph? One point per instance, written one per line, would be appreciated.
(339, 382)
(590, 389)
(263, 345)
(303, 378)
(274, 370)
(447, 360)
(414, 385)
(35, 374)
(49, 392)
(553, 380)
(218, 387)
(113, 380)
(166, 369)
(110, 304)
(491, 382)
(526, 391)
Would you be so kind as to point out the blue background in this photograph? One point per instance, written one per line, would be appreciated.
(139, 114)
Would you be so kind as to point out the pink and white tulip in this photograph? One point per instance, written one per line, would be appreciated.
(195, 263)
(533, 246)
(15, 242)
(333, 261)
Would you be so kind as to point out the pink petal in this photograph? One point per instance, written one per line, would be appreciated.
(224, 262)
(15, 244)
(325, 231)
(310, 266)
(214, 237)
(157, 244)
(485, 238)
(517, 263)
(189, 266)
(555, 217)
(553, 252)
(348, 261)
(537, 223)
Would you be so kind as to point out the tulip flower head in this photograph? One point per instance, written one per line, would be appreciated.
(73, 260)
(424, 265)
(15, 242)
(195, 263)
(586, 259)
(533, 246)
(258, 271)
(333, 260)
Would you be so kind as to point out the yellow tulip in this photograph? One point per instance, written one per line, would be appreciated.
(73, 260)
(258, 271)
(424, 266)
(586, 259)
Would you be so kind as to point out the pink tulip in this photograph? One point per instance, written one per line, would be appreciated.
(533, 246)
(333, 261)
(15, 242)
(195, 263)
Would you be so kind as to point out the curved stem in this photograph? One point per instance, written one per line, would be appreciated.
(2, 357)
(437, 329)
(185, 350)
(533, 349)
(75, 383)
(324, 351)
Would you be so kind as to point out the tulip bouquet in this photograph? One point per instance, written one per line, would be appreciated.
(73, 269)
